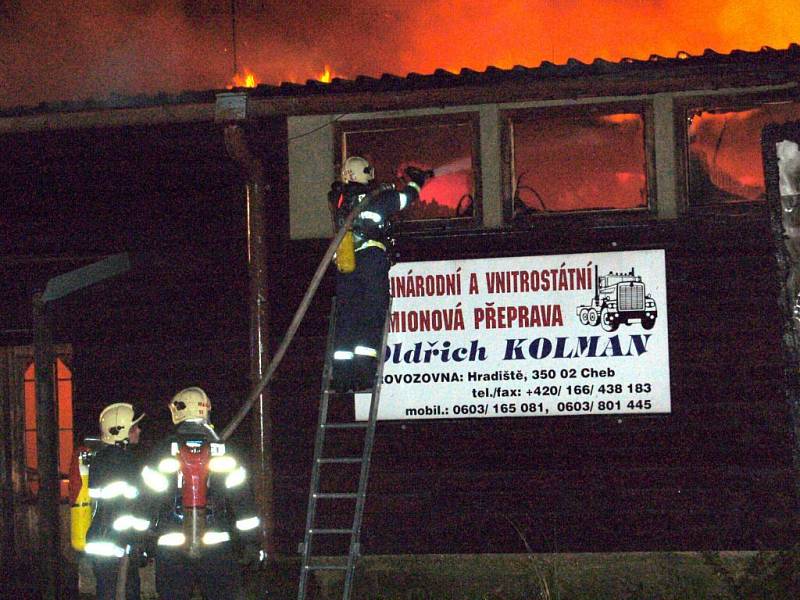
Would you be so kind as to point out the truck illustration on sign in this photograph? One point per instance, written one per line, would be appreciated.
(618, 298)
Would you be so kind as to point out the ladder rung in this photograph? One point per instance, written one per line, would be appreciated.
(330, 531)
(330, 396)
(335, 495)
(355, 425)
(325, 567)
(340, 459)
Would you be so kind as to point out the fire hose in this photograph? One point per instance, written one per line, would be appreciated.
(290, 332)
(122, 571)
(298, 316)
(273, 365)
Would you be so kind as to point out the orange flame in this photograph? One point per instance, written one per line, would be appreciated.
(621, 118)
(580, 29)
(246, 79)
(326, 76)
(446, 34)
(588, 29)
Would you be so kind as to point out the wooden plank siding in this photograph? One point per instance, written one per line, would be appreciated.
(715, 473)
(169, 196)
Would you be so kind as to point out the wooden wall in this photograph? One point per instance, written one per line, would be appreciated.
(169, 196)
(715, 473)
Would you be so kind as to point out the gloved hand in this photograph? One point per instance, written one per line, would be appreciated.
(418, 176)
(253, 556)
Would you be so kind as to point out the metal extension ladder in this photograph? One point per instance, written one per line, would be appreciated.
(317, 532)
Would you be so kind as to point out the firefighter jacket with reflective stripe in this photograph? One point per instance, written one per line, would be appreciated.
(199, 494)
(114, 489)
(372, 226)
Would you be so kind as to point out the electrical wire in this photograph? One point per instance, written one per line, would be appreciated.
(233, 37)
(304, 134)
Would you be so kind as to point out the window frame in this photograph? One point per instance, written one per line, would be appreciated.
(27, 478)
(507, 119)
(475, 221)
(732, 101)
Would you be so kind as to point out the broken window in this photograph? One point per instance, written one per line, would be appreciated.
(781, 157)
(63, 393)
(575, 160)
(724, 163)
(445, 144)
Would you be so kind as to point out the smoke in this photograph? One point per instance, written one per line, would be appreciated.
(460, 164)
(78, 49)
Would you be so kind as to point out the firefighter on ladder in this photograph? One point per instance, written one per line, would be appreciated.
(114, 490)
(362, 282)
(206, 523)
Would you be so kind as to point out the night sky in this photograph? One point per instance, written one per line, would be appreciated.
(78, 49)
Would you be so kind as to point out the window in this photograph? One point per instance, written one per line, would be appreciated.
(575, 159)
(447, 144)
(723, 150)
(781, 156)
(63, 397)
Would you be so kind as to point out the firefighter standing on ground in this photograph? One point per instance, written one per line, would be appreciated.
(206, 523)
(114, 490)
(362, 294)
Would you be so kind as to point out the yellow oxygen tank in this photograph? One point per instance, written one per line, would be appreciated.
(345, 257)
(81, 510)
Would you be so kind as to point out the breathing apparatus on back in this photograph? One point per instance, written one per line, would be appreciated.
(355, 170)
(190, 409)
(80, 503)
(196, 456)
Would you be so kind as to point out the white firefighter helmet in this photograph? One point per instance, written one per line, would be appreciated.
(357, 170)
(116, 421)
(190, 404)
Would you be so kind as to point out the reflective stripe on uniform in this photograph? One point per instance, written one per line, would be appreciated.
(215, 537)
(222, 464)
(113, 490)
(236, 478)
(104, 549)
(247, 524)
(174, 538)
(365, 351)
(371, 244)
(404, 198)
(125, 522)
(370, 216)
(169, 465)
(342, 355)
(154, 480)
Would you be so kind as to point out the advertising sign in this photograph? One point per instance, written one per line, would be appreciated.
(576, 334)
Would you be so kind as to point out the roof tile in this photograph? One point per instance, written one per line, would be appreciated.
(439, 78)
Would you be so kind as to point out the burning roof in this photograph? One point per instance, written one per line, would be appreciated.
(629, 75)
